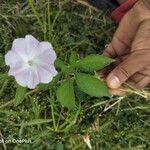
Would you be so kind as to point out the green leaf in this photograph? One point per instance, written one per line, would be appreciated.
(79, 94)
(20, 95)
(4, 76)
(93, 62)
(65, 94)
(73, 58)
(60, 64)
(59, 146)
(45, 87)
(2, 62)
(64, 68)
(91, 85)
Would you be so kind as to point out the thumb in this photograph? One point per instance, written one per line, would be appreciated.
(125, 70)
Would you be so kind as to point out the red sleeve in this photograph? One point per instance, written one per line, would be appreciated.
(119, 12)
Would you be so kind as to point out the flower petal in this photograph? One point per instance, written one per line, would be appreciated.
(21, 78)
(25, 47)
(19, 46)
(32, 79)
(11, 59)
(49, 67)
(45, 51)
(31, 40)
(27, 78)
(46, 73)
(31, 45)
(17, 69)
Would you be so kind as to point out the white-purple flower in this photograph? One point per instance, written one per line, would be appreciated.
(31, 62)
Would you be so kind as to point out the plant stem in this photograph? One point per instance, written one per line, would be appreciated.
(36, 15)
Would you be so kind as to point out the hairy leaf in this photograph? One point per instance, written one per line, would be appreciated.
(65, 94)
(20, 94)
(73, 58)
(91, 85)
(93, 62)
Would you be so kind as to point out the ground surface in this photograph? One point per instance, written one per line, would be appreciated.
(112, 124)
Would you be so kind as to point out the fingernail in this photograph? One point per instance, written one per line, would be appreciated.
(114, 82)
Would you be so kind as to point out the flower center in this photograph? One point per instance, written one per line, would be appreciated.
(30, 62)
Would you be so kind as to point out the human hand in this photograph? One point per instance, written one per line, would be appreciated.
(130, 46)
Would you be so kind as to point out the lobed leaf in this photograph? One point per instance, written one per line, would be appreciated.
(20, 94)
(73, 58)
(65, 94)
(91, 85)
(4, 76)
(60, 64)
(93, 63)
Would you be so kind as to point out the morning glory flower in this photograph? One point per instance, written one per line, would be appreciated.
(31, 62)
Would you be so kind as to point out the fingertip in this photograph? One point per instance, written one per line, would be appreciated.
(113, 81)
(117, 92)
(105, 53)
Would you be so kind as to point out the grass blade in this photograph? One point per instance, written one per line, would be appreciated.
(36, 15)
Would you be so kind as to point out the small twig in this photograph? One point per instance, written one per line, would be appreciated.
(87, 17)
(119, 100)
(133, 90)
(53, 118)
(31, 92)
(87, 5)
(6, 104)
(143, 93)
(12, 101)
(3, 143)
(3, 87)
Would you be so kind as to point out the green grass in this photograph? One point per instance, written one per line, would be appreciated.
(113, 124)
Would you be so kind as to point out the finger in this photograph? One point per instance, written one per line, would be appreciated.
(142, 38)
(145, 71)
(117, 92)
(143, 83)
(106, 53)
(124, 35)
(125, 70)
(104, 72)
(136, 78)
